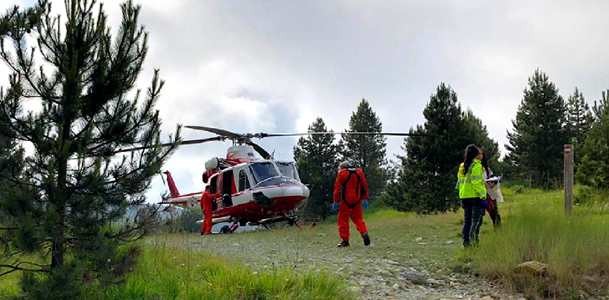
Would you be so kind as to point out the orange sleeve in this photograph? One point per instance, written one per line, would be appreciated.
(364, 183)
(338, 186)
(202, 201)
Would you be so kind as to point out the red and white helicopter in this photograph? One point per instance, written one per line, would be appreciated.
(254, 191)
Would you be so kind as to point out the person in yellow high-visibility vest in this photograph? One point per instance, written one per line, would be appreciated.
(471, 192)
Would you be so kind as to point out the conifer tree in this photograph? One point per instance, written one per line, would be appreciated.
(316, 159)
(536, 143)
(594, 169)
(64, 206)
(425, 183)
(429, 166)
(579, 120)
(478, 134)
(579, 117)
(367, 151)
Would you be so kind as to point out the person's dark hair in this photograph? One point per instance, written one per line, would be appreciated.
(207, 187)
(485, 163)
(470, 153)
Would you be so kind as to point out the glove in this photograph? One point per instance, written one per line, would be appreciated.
(484, 205)
(365, 204)
(335, 206)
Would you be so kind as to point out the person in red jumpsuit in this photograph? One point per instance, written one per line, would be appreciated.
(351, 191)
(206, 206)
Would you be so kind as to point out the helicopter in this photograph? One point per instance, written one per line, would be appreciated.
(253, 190)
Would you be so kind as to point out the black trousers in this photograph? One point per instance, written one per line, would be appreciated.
(472, 215)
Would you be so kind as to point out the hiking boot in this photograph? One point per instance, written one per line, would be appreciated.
(343, 244)
(366, 239)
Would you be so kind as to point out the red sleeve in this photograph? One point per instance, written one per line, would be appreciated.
(364, 183)
(338, 186)
(202, 201)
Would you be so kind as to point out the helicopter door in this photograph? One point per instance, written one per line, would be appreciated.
(244, 182)
(227, 188)
(213, 189)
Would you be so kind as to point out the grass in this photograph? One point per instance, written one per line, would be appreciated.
(165, 272)
(9, 286)
(378, 211)
(401, 243)
(174, 274)
(305, 264)
(535, 228)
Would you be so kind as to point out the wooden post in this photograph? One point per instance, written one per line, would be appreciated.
(568, 178)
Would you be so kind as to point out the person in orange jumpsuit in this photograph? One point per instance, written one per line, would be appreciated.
(206, 206)
(351, 191)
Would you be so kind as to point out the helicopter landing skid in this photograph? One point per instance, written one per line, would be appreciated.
(266, 226)
(229, 229)
(292, 220)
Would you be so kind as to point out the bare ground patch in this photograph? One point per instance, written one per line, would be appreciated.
(409, 258)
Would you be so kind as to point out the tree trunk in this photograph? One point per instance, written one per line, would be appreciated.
(58, 241)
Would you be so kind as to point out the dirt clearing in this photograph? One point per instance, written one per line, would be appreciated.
(410, 257)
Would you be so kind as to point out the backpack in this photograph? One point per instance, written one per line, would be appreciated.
(359, 190)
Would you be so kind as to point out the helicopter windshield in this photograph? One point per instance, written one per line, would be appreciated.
(263, 171)
(287, 169)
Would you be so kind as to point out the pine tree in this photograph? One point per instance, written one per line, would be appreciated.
(367, 151)
(64, 206)
(579, 117)
(579, 120)
(426, 180)
(478, 134)
(594, 169)
(316, 159)
(539, 134)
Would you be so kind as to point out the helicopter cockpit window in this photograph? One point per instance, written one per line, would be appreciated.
(287, 169)
(213, 184)
(244, 183)
(263, 171)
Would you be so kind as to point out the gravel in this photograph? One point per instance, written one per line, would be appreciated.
(394, 266)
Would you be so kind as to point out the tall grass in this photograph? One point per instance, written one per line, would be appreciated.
(575, 247)
(165, 272)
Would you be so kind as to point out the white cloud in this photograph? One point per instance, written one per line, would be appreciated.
(276, 66)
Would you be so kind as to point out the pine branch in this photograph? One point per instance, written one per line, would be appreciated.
(13, 268)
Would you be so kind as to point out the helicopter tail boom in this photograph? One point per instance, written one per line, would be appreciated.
(173, 189)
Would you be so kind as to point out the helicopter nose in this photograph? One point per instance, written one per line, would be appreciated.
(305, 191)
(296, 190)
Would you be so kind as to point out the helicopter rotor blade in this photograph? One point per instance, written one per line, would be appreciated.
(186, 142)
(263, 134)
(260, 150)
(218, 131)
(200, 141)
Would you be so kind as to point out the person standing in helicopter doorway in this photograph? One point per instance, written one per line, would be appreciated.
(351, 191)
(472, 192)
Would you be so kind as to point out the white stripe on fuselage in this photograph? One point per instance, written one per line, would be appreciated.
(192, 201)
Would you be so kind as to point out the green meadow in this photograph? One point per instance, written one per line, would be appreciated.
(287, 263)
(536, 228)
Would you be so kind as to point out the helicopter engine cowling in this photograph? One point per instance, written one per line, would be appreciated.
(212, 164)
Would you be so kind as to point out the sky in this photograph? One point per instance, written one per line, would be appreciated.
(275, 66)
